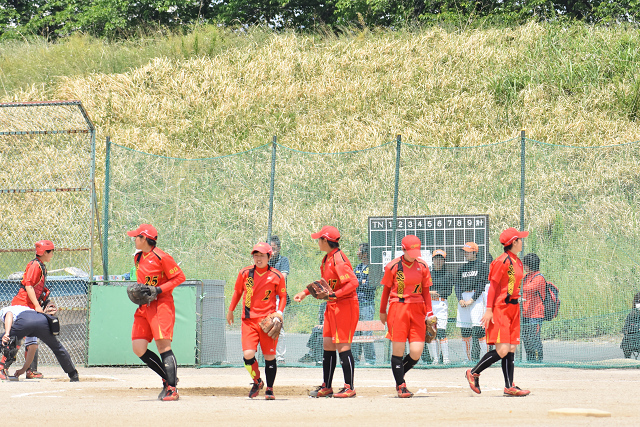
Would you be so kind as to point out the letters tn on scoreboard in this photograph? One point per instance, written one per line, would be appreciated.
(448, 232)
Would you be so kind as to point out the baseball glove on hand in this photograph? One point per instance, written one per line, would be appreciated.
(320, 289)
(142, 294)
(271, 325)
(430, 335)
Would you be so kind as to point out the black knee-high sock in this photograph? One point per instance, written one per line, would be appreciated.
(329, 360)
(348, 366)
(487, 360)
(508, 366)
(153, 361)
(398, 369)
(408, 363)
(170, 367)
(270, 369)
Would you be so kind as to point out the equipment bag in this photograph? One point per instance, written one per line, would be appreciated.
(551, 300)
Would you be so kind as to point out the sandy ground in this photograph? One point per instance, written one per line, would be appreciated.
(117, 396)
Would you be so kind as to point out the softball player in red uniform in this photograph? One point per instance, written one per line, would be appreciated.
(406, 280)
(155, 320)
(502, 316)
(258, 285)
(32, 292)
(340, 316)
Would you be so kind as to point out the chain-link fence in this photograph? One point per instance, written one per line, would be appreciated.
(580, 204)
(47, 166)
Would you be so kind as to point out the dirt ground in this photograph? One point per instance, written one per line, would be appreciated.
(110, 396)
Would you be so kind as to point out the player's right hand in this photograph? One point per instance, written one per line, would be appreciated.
(230, 317)
(383, 318)
(487, 317)
(299, 296)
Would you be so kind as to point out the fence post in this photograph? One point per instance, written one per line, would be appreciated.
(522, 180)
(273, 182)
(522, 183)
(105, 252)
(395, 198)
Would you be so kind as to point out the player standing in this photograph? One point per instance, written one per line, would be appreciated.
(470, 286)
(407, 281)
(155, 320)
(258, 285)
(502, 316)
(440, 292)
(340, 316)
(33, 293)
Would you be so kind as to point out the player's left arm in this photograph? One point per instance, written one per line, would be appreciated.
(173, 272)
(347, 277)
(281, 291)
(426, 286)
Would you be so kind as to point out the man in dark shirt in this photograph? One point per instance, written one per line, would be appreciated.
(440, 291)
(366, 298)
(280, 263)
(471, 280)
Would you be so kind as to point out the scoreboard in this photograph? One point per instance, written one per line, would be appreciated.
(448, 232)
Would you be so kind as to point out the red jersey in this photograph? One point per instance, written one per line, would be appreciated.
(408, 283)
(505, 278)
(34, 276)
(337, 271)
(533, 291)
(157, 268)
(258, 288)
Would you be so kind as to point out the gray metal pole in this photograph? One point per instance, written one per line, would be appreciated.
(105, 245)
(272, 190)
(395, 198)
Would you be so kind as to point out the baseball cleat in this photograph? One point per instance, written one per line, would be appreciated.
(515, 391)
(255, 388)
(321, 391)
(172, 394)
(34, 375)
(402, 391)
(268, 394)
(345, 392)
(163, 392)
(474, 381)
(4, 374)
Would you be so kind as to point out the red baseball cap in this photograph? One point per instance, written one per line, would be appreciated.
(263, 248)
(470, 247)
(146, 230)
(440, 252)
(510, 234)
(328, 232)
(411, 245)
(42, 246)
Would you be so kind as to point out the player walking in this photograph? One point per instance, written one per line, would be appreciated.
(407, 281)
(155, 320)
(33, 293)
(258, 285)
(340, 316)
(502, 316)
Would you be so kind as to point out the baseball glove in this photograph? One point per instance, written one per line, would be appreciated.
(271, 325)
(430, 335)
(50, 308)
(320, 289)
(142, 294)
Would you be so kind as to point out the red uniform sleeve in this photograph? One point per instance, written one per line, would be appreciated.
(426, 295)
(237, 291)
(495, 274)
(172, 272)
(387, 279)
(347, 277)
(282, 293)
(384, 301)
(32, 275)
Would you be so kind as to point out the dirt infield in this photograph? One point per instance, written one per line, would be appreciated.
(110, 396)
